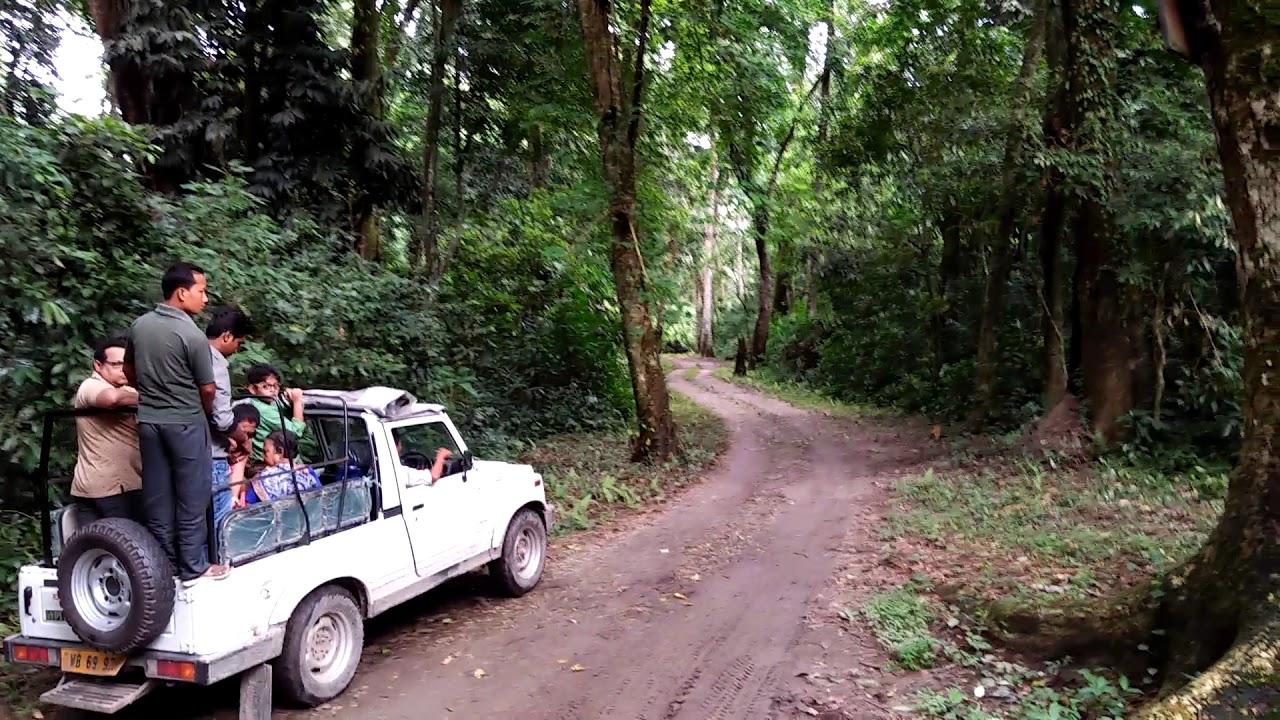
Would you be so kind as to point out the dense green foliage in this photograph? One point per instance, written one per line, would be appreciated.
(907, 221)
(519, 341)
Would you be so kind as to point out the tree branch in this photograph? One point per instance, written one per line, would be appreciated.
(393, 42)
(637, 86)
(786, 141)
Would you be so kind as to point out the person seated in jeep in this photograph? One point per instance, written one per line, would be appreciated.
(246, 419)
(107, 482)
(281, 477)
(416, 461)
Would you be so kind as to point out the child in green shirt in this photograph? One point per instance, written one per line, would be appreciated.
(278, 409)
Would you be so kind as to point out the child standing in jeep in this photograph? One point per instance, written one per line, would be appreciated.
(278, 408)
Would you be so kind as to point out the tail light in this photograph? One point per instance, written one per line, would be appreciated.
(176, 670)
(29, 654)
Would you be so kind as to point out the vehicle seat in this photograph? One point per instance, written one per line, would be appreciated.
(264, 528)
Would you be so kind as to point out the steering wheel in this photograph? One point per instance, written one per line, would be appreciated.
(414, 459)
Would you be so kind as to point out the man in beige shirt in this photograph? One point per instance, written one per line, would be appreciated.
(108, 475)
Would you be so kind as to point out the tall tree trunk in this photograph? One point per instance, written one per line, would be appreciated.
(1052, 315)
(366, 70)
(764, 298)
(782, 287)
(811, 259)
(1052, 296)
(429, 233)
(706, 283)
(127, 82)
(459, 174)
(618, 118)
(1109, 340)
(1221, 610)
(540, 162)
(740, 271)
(1002, 245)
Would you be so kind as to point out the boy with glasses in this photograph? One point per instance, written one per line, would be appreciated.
(270, 400)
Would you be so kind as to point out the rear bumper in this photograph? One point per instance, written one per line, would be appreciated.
(172, 667)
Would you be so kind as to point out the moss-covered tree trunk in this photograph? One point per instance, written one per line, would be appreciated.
(1108, 342)
(1223, 608)
(619, 129)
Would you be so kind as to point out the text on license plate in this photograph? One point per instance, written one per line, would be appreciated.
(53, 616)
(91, 662)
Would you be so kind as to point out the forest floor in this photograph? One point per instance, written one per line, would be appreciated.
(801, 578)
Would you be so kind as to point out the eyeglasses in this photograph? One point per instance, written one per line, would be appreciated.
(113, 363)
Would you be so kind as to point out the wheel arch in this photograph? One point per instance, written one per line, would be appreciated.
(536, 505)
(287, 607)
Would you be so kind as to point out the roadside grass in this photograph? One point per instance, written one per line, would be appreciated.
(923, 634)
(1034, 532)
(793, 392)
(691, 373)
(591, 479)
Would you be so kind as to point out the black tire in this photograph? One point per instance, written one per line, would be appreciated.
(332, 609)
(517, 572)
(106, 564)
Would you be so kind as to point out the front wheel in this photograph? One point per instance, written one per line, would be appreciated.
(322, 645)
(524, 552)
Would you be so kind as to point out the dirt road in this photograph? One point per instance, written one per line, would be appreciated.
(700, 611)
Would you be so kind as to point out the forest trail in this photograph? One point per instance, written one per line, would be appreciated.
(708, 609)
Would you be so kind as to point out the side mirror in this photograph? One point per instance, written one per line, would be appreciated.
(467, 460)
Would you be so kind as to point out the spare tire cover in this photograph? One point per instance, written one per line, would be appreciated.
(116, 585)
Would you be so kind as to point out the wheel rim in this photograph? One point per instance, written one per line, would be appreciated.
(101, 590)
(330, 644)
(527, 554)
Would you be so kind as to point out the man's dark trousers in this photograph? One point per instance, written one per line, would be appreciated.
(176, 466)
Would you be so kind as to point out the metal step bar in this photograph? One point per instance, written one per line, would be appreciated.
(102, 696)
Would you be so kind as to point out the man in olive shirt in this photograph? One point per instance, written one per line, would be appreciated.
(168, 361)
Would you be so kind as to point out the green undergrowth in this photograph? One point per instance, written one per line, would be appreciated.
(590, 477)
(1035, 532)
(791, 391)
(922, 634)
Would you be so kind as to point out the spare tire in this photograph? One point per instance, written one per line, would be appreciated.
(116, 585)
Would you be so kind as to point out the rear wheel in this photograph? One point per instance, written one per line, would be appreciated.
(524, 553)
(116, 585)
(322, 645)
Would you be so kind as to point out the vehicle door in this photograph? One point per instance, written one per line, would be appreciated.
(442, 523)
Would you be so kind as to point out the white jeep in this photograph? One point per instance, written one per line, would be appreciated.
(307, 570)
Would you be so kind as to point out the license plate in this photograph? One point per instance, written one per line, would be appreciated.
(91, 662)
(53, 616)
